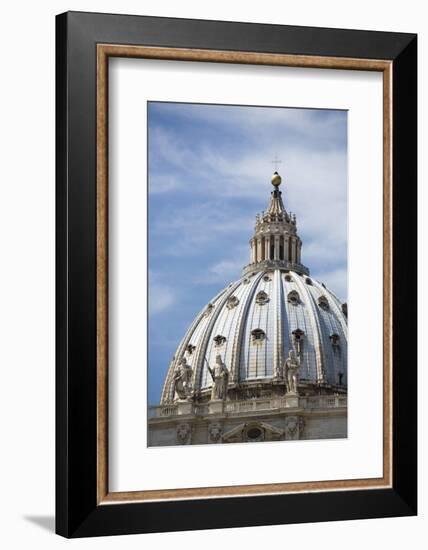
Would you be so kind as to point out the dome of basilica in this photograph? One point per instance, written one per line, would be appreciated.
(252, 325)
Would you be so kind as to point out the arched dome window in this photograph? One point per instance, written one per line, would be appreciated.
(262, 298)
(219, 340)
(298, 338)
(293, 297)
(258, 335)
(335, 339)
(267, 278)
(308, 281)
(288, 278)
(298, 334)
(323, 303)
(232, 302)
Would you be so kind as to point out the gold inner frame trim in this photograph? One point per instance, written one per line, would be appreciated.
(104, 51)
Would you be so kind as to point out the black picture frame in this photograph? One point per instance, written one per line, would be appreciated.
(77, 511)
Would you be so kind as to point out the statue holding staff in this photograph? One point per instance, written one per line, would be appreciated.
(220, 376)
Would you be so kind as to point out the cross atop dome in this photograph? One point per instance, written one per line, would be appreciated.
(276, 161)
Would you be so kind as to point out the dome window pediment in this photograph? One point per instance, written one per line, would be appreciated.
(219, 340)
(209, 310)
(190, 349)
(232, 302)
(298, 334)
(258, 335)
(323, 303)
(262, 298)
(293, 297)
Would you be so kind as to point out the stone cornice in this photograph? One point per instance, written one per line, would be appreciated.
(274, 264)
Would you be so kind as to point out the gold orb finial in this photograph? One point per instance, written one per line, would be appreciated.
(276, 179)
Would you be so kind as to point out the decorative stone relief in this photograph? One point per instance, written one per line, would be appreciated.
(294, 426)
(184, 432)
(215, 431)
(252, 432)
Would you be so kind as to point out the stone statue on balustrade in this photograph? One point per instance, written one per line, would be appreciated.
(183, 380)
(292, 367)
(220, 376)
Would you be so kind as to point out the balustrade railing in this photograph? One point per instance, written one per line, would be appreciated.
(252, 405)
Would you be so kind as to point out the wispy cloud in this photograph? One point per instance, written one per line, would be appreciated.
(163, 183)
(226, 270)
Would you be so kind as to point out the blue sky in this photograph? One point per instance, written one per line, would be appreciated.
(209, 174)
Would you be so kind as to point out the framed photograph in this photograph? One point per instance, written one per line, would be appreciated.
(236, 274)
